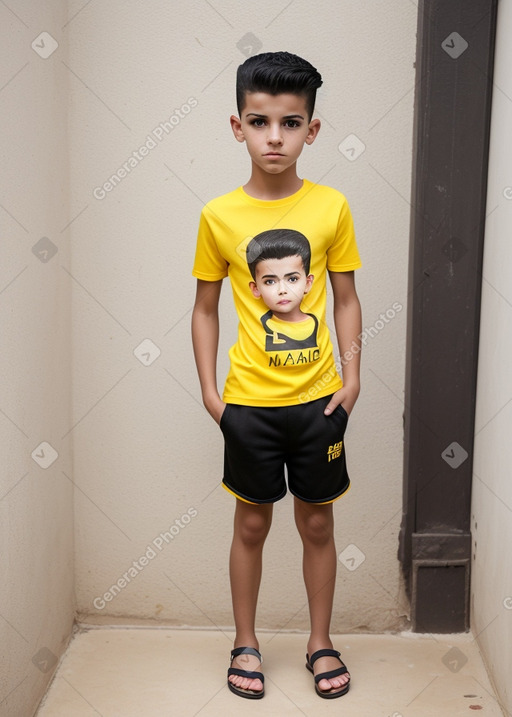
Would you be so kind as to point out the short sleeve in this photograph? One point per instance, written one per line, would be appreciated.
(209, 264)
(343, 254)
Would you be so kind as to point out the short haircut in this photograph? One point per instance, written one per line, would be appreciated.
(277, 73)
(278, 244)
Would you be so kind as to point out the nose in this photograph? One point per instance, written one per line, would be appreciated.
(274, 134)
(282, 287)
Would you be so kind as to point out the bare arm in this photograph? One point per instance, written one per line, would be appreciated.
(205, 340)
(348, 323)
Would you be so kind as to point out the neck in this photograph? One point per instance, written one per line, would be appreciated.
(263, 185)
(292, 318)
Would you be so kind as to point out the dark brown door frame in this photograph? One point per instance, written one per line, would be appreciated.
(455, 55)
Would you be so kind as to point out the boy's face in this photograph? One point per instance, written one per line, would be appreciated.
(282, 284)
(275, 129)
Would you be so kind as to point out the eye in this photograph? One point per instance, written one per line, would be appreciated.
(292, 123)
(258, 122)
(269, 282)
(293, 279)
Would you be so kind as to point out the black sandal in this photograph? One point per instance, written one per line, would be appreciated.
(249, 694)
(335, 691)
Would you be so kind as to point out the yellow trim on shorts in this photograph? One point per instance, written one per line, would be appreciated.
(237, 496)
(337, 497)
(252, 503)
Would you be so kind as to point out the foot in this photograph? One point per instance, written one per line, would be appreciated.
(326, 664)
(248, 663)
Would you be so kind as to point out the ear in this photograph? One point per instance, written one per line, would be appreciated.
(256, 292)
(313, 130)
(236, 126)
(309, 282)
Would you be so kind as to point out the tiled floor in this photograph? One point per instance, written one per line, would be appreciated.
(165, 672)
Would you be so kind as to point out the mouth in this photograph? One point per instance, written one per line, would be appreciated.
(273, 154)
(283, 302)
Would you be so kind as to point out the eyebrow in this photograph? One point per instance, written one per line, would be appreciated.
(274, 276)
(255, 114)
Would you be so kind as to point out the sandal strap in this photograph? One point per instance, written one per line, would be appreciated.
(323, 653)
(245, 651)
(333, 673)
(246, 673)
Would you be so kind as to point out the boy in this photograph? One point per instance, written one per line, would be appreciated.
(266, 415)
(279, 261)
(287, 253)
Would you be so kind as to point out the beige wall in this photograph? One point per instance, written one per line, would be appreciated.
(492, 488)
(36, 495)
(128, 425)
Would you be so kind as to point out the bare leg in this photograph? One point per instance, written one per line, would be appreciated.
(315, 524)
(251, 526)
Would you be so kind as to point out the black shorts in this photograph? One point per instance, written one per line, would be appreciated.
(260, 441)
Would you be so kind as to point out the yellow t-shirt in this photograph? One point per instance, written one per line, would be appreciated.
(274, 362)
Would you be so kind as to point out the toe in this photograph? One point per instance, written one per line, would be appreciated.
(330, 685)
(246, 683)
(334, 684)
(256, 685)
(324, 685)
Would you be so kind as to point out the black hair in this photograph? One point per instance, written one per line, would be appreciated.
(278, 244)
(277, 73)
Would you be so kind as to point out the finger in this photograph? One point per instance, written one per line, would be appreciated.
(330, 408)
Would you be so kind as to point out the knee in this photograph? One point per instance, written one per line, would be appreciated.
(316, 528)
(253, 529)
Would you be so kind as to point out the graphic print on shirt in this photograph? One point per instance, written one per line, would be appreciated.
(298, 339)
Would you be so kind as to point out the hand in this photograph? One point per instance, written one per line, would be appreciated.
(215, 408)
(346, 397)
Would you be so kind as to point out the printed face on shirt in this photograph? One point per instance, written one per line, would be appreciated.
(282, 284)
(275, 129)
